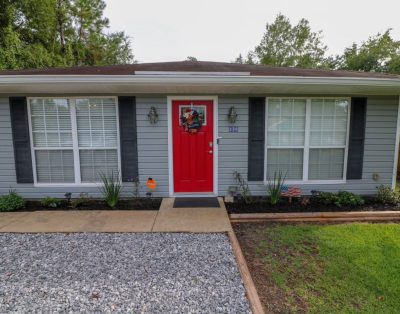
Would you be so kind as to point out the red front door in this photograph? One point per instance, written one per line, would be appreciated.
(193, 151)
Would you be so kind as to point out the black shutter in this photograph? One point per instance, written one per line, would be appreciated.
(20, 134)
(256, 139)
(128, 138)
(355, 158)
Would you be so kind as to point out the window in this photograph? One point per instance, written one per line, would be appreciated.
(74, 139)
(328, 137)
(286, 137)
(307, 138)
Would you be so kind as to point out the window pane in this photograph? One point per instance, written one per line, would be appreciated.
(286, 122)
(51, 122)
(328, 122)
(55, 166)
(95, 162)
(326, 164)
(288, 161)
(96, 122)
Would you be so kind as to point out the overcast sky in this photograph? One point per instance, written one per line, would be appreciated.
(218, 30)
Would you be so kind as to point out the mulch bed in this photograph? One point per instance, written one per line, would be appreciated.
(131, 204)
(315, 204)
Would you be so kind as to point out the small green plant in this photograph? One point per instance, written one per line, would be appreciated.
(11, 201)
(342, 198)
(80, 201)
(345, 198)
(327, 197)
(274, 187)
(51, 202)
(387, 196)
(243, 187)
(111, 188)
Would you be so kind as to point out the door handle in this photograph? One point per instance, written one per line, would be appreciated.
(210, 151)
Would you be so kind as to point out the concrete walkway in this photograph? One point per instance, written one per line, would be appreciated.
(167, 219)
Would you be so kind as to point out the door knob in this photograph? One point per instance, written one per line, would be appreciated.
(210, 151)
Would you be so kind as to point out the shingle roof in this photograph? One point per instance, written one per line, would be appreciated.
(196, 66)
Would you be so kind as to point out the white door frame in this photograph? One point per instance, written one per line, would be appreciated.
(170, 147)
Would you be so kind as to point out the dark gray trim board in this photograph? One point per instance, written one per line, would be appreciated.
(21, 141)
(128, 138)
(355, 159)
(256, 138)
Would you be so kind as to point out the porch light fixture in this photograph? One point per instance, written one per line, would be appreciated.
(153, 115)
(232, 115)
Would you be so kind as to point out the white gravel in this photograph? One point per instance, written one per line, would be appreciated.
(111, 273)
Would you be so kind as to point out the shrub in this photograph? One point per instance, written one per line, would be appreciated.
(11, 201)
(111, 188)
(275, 187)
(243, 187)
(342, 198)
(327, 197)
(387, 196)
(78, 202)
(50, 202)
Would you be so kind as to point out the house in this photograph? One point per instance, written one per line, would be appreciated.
(190, 125)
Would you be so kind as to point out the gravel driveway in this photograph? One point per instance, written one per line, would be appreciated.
(102, 272)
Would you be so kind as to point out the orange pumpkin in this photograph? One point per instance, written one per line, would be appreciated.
(151, 184)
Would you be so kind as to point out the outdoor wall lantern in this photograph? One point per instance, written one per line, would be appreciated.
(232, 115)
(153, 115)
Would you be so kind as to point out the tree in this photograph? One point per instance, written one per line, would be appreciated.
(47, 33)
(239, 59)
(380, 53)
(284, 44)
(248, 60)
(190, 58)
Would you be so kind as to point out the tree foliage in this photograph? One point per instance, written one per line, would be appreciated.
(284, 44)
(46, 33)
(380, 53)
(191, 58)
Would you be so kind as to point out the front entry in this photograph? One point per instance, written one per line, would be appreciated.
(193, 145)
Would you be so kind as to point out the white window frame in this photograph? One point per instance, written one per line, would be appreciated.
(306, 148)
(75, 145)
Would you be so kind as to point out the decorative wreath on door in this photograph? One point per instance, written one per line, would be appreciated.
(191, 121)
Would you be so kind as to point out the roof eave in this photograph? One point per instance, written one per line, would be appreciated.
(191, 83)
(21, 79)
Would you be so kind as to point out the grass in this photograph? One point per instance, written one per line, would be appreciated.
(328, 268)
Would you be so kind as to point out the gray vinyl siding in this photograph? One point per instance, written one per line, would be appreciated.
(153, 143)
(152, 155)
(380, 140)
(153, 150)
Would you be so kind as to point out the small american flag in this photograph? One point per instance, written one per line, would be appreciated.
(290, 191)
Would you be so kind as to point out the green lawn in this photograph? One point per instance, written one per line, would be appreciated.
(326, 268)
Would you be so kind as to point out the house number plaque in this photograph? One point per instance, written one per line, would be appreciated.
(233, 129)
